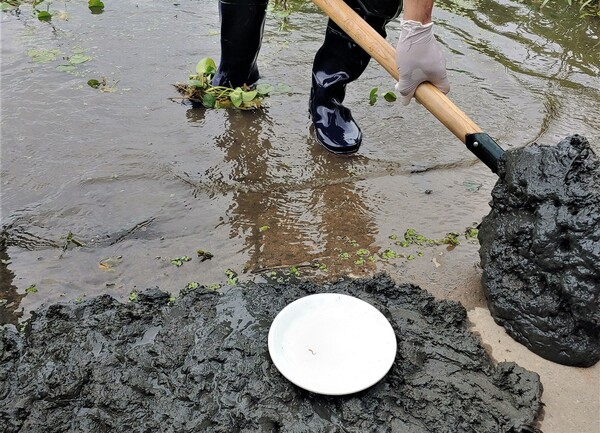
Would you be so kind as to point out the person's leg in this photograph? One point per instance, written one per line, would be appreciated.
(338, 62)
(242, 23)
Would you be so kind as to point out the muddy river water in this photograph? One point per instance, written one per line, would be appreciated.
(103, 188)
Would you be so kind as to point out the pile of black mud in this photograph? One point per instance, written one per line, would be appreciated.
(540, 250)
(201, 364)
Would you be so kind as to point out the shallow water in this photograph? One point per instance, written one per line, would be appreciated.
(140, 179)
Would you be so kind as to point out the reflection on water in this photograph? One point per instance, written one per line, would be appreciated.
(286, 221)
(134, 175)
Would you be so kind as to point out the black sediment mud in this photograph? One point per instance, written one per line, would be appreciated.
(202, 364)
(540, 250)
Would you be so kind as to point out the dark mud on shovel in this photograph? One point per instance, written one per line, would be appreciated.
(201, 364)
(540, 250)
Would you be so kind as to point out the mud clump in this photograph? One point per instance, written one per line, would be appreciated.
(202, 364)
(540, 250)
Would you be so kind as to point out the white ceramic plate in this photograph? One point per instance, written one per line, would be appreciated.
(332, 344)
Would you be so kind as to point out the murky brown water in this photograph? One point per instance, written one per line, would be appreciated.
(134, 175)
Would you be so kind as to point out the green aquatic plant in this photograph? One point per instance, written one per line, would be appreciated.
(43, 56)
(102, 84)
(204, 255)
(232, 277)
(390, 254)
(412, 237)
(199, 89)
(294, 271)
(471, 232)
(179, 261)
(389, 96)
(31, 289)
(95, 6)
(322, 267)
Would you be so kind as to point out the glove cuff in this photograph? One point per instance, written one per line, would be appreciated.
(414, 25)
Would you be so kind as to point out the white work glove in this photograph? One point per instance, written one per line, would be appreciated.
(419, 58)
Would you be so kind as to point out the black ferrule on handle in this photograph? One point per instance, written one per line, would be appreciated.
(485, 148)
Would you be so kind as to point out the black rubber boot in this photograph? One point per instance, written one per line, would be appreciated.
(242, 24)
(338, 62)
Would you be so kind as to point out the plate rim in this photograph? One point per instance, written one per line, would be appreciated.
(351, 390)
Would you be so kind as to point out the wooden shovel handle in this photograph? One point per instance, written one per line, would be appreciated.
(373, 43)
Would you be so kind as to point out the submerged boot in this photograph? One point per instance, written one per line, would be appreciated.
(338, 62)
(242, 24)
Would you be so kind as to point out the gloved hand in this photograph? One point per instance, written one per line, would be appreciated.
(419, 58)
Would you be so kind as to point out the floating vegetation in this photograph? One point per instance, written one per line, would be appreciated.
(43, 56)
(471, 232)
(179, 261)
(199, 89)
(103, 85)
(389, 96)
(204, 255)
(232, 277)
(411, 237)
(96, 6)
(70, 63)
(76, 58)
(31, 289)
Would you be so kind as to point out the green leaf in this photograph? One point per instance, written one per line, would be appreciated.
(208, 100)
(93, 83)
(264, 89)
(206, 66)
(43, 56)
(471, 185)
(373, 96)
(192, 285)
(249, 96)
(236, 97)
(66, 68)
(390, 96)
(263, 228)
(4, 6)
(232, 278)
(471, 232)
(44, 16)
(196, 83)
(389, 254)
(178, 261)
(31, 289)
(96, 6)
(284, 88)
(133, 296)
(79, 58)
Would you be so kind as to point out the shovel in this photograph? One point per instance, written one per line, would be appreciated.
(438, 104)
